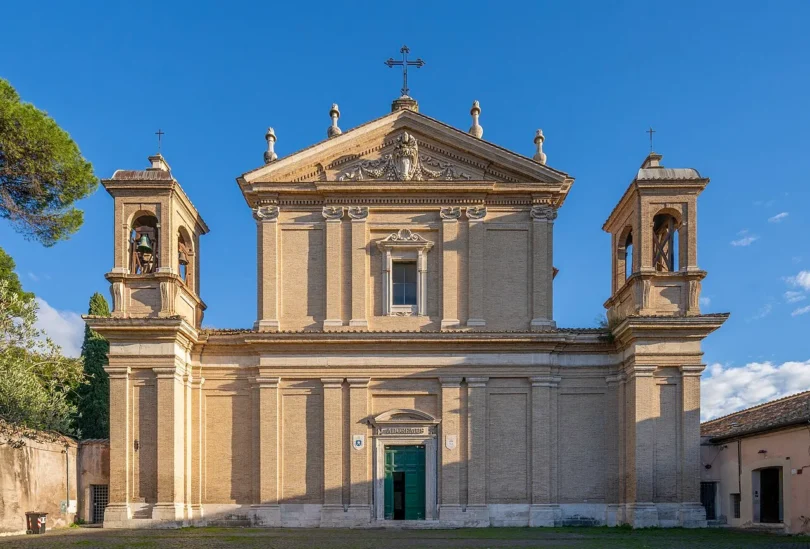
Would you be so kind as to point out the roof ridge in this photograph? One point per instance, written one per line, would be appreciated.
(757, 406)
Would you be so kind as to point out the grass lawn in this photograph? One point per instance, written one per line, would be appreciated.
(478, 538)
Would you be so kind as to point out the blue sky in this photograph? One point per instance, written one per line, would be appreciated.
(724, 84)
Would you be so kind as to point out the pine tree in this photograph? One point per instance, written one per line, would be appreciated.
(94, 397)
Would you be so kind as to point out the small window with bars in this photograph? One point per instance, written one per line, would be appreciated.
(735, 505)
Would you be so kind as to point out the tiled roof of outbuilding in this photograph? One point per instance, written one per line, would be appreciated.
(790, 410)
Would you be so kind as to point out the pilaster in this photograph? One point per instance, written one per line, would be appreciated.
(692, 512)
(187, 443)
(450, 503)
(333, 442)
(118, 508)
(267, 512)
(333, 216)
(477, 442)
(475, 262)
(359, 500)
(614, 447)
(269, 260)
(544, 511)
(198, 427)
(450, 267)
(170, 442)
(640, 511)
(360, 275)
(543, 217)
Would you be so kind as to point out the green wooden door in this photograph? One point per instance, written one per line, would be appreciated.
(409, 461)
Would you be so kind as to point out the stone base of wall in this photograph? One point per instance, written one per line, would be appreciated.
(352, 516)
(637, 515)
(473, 516)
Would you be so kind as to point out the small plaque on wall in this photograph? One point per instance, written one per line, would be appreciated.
(358, 442)
(450, 441)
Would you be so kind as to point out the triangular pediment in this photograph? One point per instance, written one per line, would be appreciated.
(404, 146)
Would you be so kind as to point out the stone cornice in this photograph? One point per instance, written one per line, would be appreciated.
(144, 329)
(141, 188)
(667, 327)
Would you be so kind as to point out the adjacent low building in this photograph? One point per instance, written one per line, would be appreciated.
(756, 466)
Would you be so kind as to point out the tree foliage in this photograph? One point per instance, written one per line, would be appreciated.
(36, 381)
(7, 273)
(93, 398)
(42, 172)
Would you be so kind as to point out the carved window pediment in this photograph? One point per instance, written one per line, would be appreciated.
(404, 246)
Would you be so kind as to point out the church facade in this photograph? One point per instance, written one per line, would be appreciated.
(405, 363)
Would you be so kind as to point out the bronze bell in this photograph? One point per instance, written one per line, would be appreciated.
(182, 258)
(144, 245)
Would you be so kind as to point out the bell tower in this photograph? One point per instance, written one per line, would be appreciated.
(157, 235)
(654, 244)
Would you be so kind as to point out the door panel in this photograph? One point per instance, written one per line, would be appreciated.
(409, 460)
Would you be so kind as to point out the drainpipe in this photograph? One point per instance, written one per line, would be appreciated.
(67, 480)
(739, 467)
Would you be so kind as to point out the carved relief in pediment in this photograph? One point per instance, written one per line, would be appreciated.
(404, 164)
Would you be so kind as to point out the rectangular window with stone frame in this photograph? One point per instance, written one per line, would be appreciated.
(403, 283)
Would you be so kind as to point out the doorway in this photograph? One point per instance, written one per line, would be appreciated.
(770, 503)
(405, 482)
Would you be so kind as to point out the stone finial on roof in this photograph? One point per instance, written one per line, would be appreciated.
(270, 154)
(476, 130)
(539, 156)
(159, 163)
(333, 130)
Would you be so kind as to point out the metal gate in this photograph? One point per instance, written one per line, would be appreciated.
(100, 498)
(707, 491)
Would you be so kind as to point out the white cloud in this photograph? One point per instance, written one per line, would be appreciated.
(65, 328)
(762, 313)
(794, 297)
(745, 241)
(33, 277)
(801, 311)
(705, 301)
(801, 280)
(726, 389)
(778, 217)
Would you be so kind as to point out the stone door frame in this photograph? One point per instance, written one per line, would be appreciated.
(431, 476)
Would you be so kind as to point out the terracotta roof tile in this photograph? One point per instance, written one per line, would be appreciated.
(785, 411)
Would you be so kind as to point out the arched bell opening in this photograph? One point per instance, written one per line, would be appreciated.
(625, 262)
(666, 228)
(144, 244)
(185, 257)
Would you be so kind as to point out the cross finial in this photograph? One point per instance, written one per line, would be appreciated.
(160, 133)
(404, 64)
(651, 132)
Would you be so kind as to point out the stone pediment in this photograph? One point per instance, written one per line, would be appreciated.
(404, 146)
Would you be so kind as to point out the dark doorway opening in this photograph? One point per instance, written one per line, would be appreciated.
(770, 500)
(707, 491)
(399, 496)
(99, 497)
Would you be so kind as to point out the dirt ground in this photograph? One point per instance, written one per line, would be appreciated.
(482, 538)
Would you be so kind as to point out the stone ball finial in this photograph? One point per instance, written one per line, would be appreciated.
(333, 130)
(539, 156)
(270, 154)
(476, 130)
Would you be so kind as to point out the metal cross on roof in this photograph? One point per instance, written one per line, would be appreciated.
(651, 132)
(404, 64)
(160, 133)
